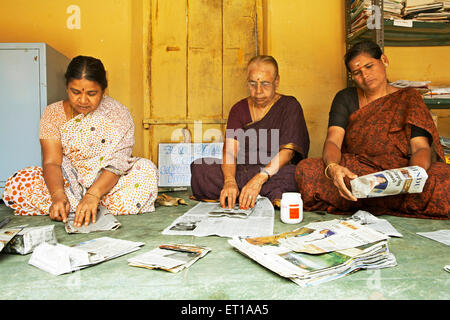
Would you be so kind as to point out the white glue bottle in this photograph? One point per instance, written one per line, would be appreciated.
(291, 207)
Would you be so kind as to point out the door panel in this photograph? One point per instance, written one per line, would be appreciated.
(199, 53)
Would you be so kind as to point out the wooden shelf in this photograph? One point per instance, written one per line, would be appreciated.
(435, 103)
(420, 34)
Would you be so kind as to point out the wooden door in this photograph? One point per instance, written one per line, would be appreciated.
(199, 51)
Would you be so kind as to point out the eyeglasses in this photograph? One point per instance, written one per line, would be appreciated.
(263, 84)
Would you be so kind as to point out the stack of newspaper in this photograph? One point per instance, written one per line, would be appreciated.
(427, 10)
(169, 257)
(59, 259)
(319, 252)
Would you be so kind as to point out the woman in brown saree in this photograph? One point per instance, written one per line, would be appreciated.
(375, 127)
(266, 136)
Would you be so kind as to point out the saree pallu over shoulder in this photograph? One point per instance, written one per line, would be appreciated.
(380, 131)
(101, 139)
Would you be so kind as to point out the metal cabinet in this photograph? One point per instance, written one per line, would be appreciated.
(31, 77)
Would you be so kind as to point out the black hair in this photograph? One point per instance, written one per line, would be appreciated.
(89, 68)
(365, 46)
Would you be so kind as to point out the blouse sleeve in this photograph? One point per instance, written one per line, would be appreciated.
(52, 119)
(344, 103)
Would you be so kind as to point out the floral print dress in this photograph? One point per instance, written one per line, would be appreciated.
(101, 140)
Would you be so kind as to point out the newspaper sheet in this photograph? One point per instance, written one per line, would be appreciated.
(442, 236)
(380, 225)
(333, 236)
(105, 221)
(198, 222)
(390, 182)
(59, 259)
(29, 238)
(235, 212)
(169, 257)
(307, 269)
(7, 234)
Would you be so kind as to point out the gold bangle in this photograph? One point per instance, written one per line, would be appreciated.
(326, 168)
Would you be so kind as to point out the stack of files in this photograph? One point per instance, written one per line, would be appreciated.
(438, 93)
(59, 259)
(415, 7)
(360, 13)
(393, 9)
(169, 257)
(319, 252)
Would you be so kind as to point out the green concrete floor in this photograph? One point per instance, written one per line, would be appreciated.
(224, 274)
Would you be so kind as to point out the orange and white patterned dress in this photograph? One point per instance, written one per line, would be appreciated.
(101, 140)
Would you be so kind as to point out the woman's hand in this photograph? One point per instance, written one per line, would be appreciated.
(60, 207)
(229, 192)
(86, 209)
(337, 173)
(251, 190)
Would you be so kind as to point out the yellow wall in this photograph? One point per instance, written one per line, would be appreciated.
(306, 37)
(112, 31)
(421, 64)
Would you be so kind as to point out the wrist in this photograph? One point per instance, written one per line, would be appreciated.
(265, 175)
(328, 169)
(59, 192)
(93, 195)
(229, 180)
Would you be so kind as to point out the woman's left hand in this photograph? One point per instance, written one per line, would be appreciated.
(250, 192)
(86, 210)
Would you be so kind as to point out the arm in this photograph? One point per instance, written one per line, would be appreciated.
(251, 190)
(87, 207)
(230, 188)
(332, 156)
(53, 177)
(420, 152)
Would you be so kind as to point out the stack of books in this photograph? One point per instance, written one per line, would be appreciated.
(427, 10)
(361, 14)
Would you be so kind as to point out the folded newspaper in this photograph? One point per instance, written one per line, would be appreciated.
(319, 252)
(169, 257)
(105, 221)
(235, 212)
(29, 238)
(59, 259)
(390, 182)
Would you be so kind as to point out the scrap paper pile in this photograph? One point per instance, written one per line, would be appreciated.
(320, 251)
(59, 259)
(169, 257)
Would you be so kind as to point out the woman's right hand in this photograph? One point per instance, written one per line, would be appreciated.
(229, 192)
(60, 207)
(338, 173)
